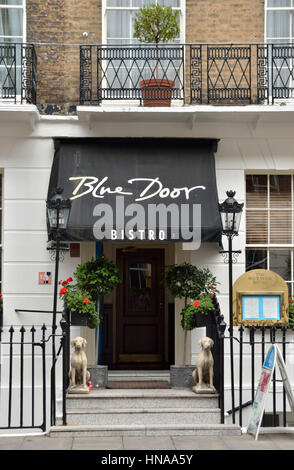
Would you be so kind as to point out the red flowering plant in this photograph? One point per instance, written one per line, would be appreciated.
(291, 312)
(79, 301)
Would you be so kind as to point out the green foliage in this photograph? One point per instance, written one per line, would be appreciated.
(98, 277)
(188, 281)
(80, 301)
(188, 313)
(156, 23)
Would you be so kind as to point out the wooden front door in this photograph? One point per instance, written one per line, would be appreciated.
(140, 309)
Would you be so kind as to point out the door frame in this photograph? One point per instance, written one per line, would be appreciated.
(147, 364)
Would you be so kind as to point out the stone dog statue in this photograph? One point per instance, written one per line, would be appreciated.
(203, 372)
(79, 375)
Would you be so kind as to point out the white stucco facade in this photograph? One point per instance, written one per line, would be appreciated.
(251, 139)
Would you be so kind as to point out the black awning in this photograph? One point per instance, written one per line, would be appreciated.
(138, 184)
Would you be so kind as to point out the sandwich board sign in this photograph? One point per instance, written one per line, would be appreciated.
(273, 357)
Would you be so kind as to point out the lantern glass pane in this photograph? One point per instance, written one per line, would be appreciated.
(63, 218)
(237, 221)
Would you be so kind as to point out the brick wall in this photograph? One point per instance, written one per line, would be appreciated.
(229, 21)
(63, 22)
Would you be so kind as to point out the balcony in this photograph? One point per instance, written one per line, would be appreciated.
(188, 74)
(218, 74)
(18, 73)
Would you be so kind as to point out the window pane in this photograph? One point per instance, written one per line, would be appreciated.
(279, 3)
(256, 259)
(11, 2)
(256, 227)
(11, 22)
(278, 24)
(280, 263)
(280, 191)
(280, 227)
(170, 3)
(118, 24)
(117, 3)
(139, 297)
(256, 191)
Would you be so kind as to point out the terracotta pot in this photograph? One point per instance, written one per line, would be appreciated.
(157, 91)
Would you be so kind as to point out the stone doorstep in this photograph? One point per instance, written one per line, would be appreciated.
(146, 430)
(140, 410)
(143, 393)
(130, 398)
(144, 416)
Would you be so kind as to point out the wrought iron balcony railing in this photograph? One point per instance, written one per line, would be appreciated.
(194, 74)
(18, 78)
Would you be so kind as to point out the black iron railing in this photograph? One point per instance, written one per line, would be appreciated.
(18, 73)
(253, 344)
(28, 375)
(197, 73)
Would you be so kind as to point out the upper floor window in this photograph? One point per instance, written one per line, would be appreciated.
(279, 21)
(12, 21)
(119, 19)
(270, 224)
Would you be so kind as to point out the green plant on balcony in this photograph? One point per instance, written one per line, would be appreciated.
(186, 281)
(156, 24)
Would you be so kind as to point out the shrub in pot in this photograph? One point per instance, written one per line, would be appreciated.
(186, 281)
(98, 276)
(156, 24)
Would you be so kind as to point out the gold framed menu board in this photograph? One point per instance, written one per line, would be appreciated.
(260, 298)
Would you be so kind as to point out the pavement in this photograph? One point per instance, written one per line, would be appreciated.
(265, 442)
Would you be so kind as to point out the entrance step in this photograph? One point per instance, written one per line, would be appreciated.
(139, 375)
(79, 430)
(128, 416)
(139, 412)
(141, 398)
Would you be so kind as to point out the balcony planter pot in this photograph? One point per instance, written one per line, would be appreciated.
(78, 319)
(157, 92)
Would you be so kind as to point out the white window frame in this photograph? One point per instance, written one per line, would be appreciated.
(24, 23)
(105, 8)
(272, 40)
(268, 247)
(22, 38)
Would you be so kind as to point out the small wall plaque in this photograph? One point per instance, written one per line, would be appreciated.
(45, 278)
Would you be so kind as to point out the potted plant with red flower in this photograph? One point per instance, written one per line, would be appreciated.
(82, 308)
(156, 24)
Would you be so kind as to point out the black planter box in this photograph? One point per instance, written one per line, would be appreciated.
(78, 319)
(204, 320)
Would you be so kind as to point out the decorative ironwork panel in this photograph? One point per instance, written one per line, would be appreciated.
(85, 74)
(262, 73)
(18, 79)
(229, 73)
(196, 74)
(28, 74)
(282, 71)
(8, 71)
(122, 72)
